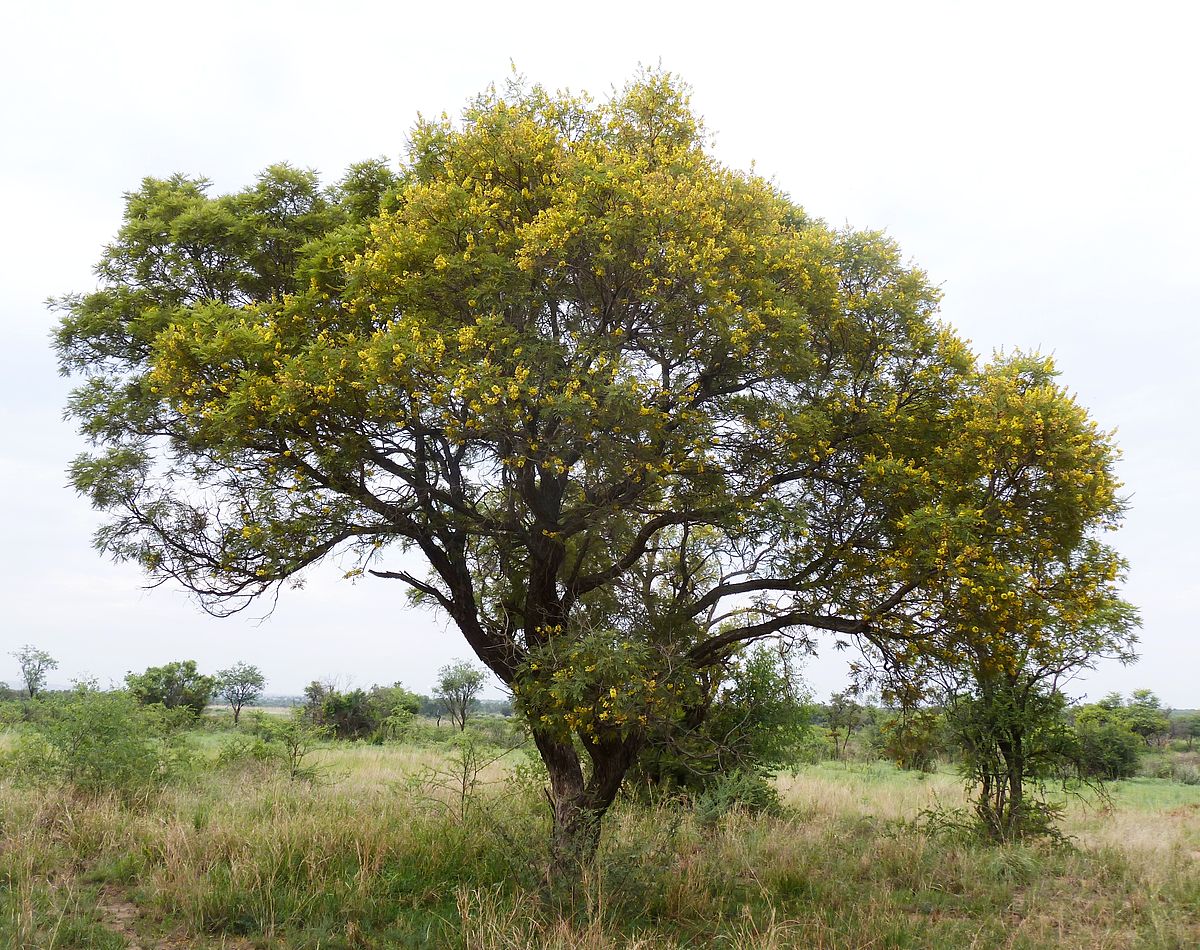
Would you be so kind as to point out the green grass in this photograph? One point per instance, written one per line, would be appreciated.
(363, 858)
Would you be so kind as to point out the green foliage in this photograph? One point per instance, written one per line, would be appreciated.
(1186, 726)
(395, 709)
(1013, 736)
(244, 750)
(239, 685)
(1108, 750)
(11, 712)
(384, 712)
(757, 723)
(1145, 716)
(295, 737)
(35, 664)
(101, 743)
(741, 790)
(174, 685)
(913, 739)
(761, 714)
(602, 682)
(1142, 715)
(349, 715)
(843, 715)
(457, 686)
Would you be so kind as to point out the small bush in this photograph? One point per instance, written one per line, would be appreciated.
(101, 743)
(748, 791)
(11, 713)
(291, 738)
(1107, 750)
(243, 751)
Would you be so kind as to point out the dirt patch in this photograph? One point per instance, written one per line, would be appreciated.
(122, 917)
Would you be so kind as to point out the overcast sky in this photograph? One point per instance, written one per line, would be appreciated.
(1039, 160)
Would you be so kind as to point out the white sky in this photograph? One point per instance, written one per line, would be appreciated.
(1038, 159)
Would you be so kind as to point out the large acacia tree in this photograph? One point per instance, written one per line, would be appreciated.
(633, 409)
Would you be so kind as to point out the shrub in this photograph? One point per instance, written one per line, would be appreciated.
(758, 723)
(175, 685)
(1185, 773)
(748, 791)
(101, 742)
(243, 751)
(913, 739)
(383, 713)
(293, 737)
(1108, 750)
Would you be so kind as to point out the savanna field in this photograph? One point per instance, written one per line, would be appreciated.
(654, 429)
(434, 844)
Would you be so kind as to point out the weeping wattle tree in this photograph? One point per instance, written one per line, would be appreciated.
(630, 409)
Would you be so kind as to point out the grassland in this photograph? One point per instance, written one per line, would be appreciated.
(372, 855)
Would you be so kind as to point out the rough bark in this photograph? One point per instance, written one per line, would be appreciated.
(578, 805)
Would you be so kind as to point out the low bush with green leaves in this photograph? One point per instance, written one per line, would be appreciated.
(293, 738)
(101, 742)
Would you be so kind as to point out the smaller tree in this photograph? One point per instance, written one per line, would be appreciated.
(239, 685)
(457, 686)
(176, 685)
(844, 717)
(1013, 737)
(913, 739)
(1146, 717)
(314, 699)
(394, 708)
(1142, 715)
(1186, 726)
(1107, 749)
(350, 714)
(296, 736)
(35, 664)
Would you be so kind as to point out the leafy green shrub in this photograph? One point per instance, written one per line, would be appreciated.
(748, 791)
(243, 751)
(174, 685)
(383, 713)
(913, 740)
(349, 715)
(757, 722)
(1107, 750)
(293, 737)
(99, 743)
(11, 713)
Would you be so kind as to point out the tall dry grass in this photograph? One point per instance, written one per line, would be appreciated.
(365, 858)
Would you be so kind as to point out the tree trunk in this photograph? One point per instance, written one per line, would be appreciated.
(578, 807)
(1016, 785)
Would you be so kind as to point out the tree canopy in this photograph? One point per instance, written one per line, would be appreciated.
(633, 408)
(239, 685)
(35, 666)
(177, 685)
(457, 686)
